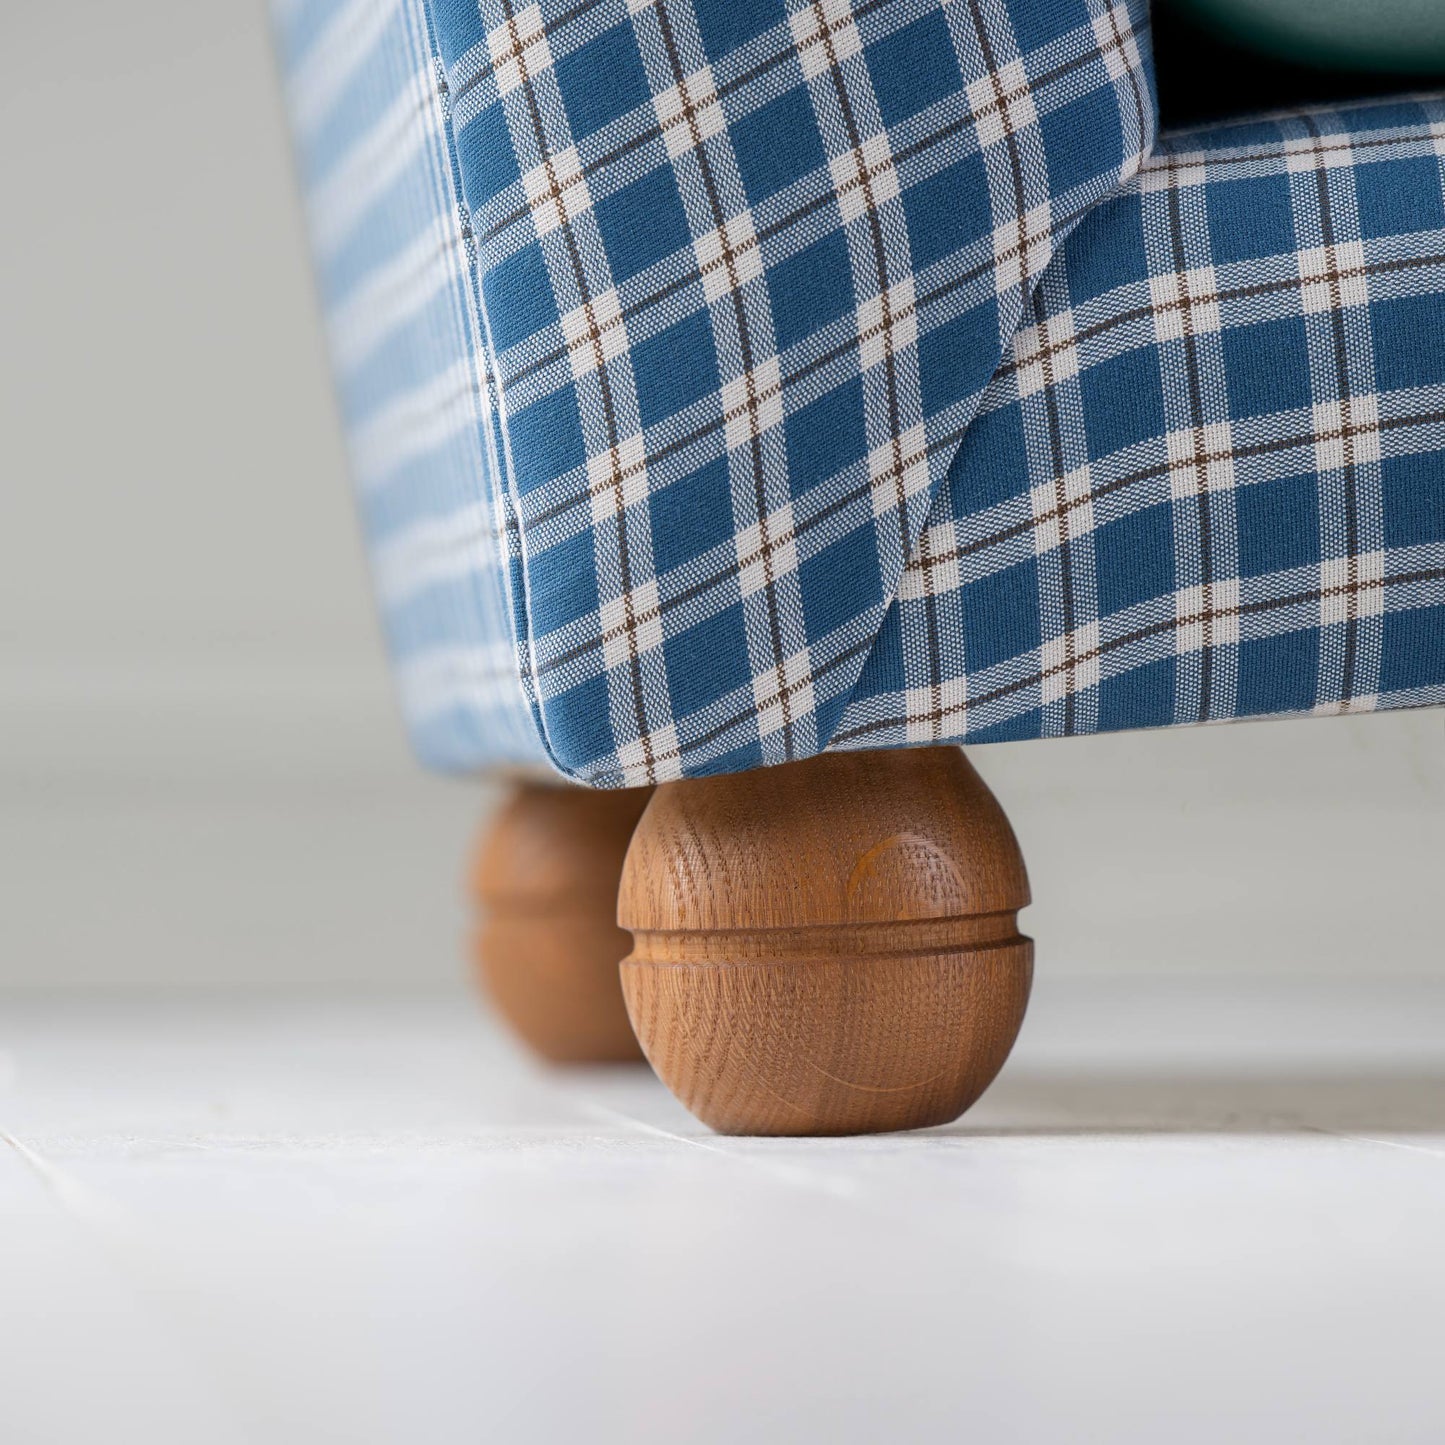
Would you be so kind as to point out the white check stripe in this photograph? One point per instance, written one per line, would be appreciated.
(392, 294)
(744, 406)
(414, 423)
(336, 55)
(375, 160)
(439, 679)
(431, 552)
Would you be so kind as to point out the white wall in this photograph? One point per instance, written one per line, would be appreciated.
(202, 777)
(201, 772)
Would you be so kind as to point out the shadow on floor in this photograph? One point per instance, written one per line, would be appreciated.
(1345, 1102)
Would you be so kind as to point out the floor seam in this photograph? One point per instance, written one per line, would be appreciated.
(1402, 1144)
(792, 1174)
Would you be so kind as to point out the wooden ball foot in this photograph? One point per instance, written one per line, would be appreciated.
(827, 947)
(547, 945)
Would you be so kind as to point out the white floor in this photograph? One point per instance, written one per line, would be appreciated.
(1187, 1212)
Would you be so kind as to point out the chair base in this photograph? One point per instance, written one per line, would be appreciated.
(827, 947)
(547, 943)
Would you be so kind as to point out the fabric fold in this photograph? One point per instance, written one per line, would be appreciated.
(745, 270)
(728, 380)
(1208, 480)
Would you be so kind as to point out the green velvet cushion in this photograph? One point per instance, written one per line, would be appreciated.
(1355, 34)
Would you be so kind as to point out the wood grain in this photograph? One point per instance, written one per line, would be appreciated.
(547, 944)
(827, 947)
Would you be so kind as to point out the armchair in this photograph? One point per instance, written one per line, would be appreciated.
(749, 402)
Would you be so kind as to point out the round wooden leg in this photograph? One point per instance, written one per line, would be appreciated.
(547, 945)
(827, 947)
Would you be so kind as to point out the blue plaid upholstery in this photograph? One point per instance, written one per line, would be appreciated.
(1209, 479)
(398, 284)
(854, 375)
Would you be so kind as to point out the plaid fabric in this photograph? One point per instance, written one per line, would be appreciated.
(1209, 479)
(827, 374)
(396, 269)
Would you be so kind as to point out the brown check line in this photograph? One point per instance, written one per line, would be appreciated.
(1218, 296)
(1062, 511)
(654, 132)
(1311, 597)
(558, 23)
(755, 399)
(887, 324)
(1209, 160)
(1160, 469)
(608, 405)
(887, 321)
(720, 421)
(687, 114)
(1002, 535)
(828, 197)
(786, 51)
(1009, 365)
(1118, 45)
(826, 31)
(924, 563)
(901, 157)
(1342, 388)
(729, 259)
(704, 585)
(720, 730)
(997, 538)
(591, 340)
(749, 363)
(928, 563)
(807, 369)
(864, 177)
(694, 274)
(549, 28)
(1020, 207)
(1194, 386)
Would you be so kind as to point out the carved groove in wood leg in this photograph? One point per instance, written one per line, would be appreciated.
(827, 947)
(547, 944)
